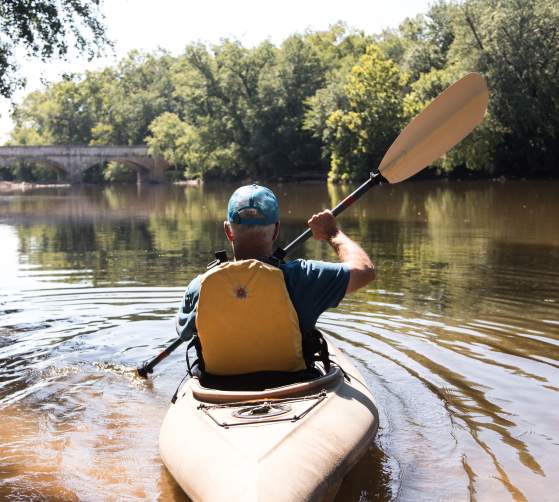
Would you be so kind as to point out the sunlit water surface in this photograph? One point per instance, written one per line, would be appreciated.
(458, 337)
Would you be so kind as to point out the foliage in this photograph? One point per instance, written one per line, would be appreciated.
(515, 43)
(46, 29)
(322, 102)
(32, 172)
(359, 134)
(118, 172)
(167, 138)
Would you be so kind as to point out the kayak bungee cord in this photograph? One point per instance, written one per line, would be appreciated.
(265, 417)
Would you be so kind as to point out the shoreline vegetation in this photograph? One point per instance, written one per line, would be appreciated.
(323, 105)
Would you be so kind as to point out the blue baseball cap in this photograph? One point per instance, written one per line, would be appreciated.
(253, 205)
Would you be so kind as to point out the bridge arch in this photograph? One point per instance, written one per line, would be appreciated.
(76, 159)
(6, 161)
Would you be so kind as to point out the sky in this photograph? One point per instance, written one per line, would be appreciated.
(172, 24)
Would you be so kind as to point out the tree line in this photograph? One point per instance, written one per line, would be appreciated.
(324, 103)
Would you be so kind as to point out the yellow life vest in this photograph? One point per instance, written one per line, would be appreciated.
(246, 321)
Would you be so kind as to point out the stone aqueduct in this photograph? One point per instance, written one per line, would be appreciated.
(74, 160)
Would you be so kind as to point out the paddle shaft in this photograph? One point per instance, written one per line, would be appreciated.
(281, 253)
(147, 368)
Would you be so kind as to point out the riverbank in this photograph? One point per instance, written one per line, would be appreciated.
(22, 186)
(189, 183)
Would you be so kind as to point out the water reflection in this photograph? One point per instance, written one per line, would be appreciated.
(458, 337)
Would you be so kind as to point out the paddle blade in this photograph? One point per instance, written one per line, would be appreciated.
(446, 121)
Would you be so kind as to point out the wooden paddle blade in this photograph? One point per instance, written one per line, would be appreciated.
(446, 121)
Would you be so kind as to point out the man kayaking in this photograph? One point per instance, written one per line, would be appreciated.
(256, 314)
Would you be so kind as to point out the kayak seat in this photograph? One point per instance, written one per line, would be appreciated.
(306, 387)
(259, 381)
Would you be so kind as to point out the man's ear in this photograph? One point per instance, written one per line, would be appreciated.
(276, 231)
(228, 231)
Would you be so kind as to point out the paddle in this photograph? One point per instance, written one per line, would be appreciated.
(447, 120)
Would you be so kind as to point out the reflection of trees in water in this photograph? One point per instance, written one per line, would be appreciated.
(126, 251)
(442, 236)
(448, 237)
(130, 236)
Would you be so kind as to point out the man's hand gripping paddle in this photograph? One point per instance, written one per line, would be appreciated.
(448, 119)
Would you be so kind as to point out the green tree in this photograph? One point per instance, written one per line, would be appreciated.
(515, 43)
(217, 89)
(245, 108)
(31, 120)
(359, 135)
(65, 112)
(332, 99)
(46, 29)
(138, 92)
(111, 106)
(119, 172)
(421, 44)
(168, 132)
(283, 145)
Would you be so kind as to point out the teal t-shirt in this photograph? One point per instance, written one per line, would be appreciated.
(313, 287)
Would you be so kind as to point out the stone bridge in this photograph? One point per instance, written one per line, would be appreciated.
(74, 160)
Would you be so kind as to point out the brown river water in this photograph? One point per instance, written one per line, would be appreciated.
(458, 337)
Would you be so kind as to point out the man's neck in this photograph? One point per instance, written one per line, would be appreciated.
(252, 253)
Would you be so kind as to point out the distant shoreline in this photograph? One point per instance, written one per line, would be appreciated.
(22, 186)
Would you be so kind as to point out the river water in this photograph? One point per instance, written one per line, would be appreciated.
(458, 337)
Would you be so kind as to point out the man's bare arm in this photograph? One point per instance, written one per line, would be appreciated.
(361, 269)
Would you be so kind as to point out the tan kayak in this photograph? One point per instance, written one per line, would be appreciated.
(290, 443)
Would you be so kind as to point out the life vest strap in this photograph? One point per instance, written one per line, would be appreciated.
(220, 257)
(315, 349)
(194, 342)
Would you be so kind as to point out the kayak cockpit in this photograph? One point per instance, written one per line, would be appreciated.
(258, 381)
(321, 382)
